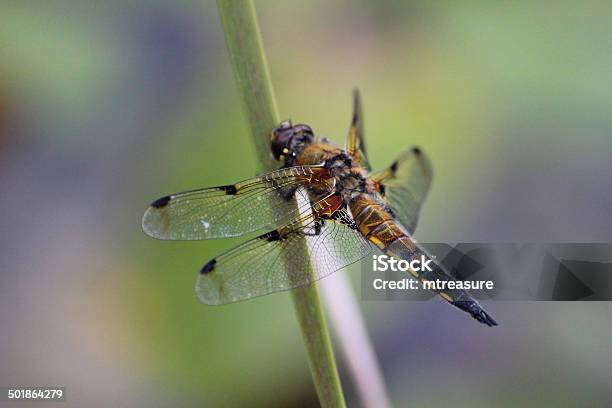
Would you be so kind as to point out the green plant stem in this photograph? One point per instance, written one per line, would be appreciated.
(251, 73)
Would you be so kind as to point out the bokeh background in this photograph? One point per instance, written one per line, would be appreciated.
(105, 106)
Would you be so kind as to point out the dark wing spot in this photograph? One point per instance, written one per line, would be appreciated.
(231, 189)
(393, 167)
(381, 189)
(270, 236)
(355, 118)
(416, 151)
(208, 267)
(161, 202)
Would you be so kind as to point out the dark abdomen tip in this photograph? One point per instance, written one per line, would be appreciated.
(476, 311)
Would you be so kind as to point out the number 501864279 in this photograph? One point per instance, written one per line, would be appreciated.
(32, 393)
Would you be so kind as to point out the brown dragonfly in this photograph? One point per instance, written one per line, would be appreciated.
(322, 210)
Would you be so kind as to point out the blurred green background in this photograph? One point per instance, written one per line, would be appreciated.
(105, 106)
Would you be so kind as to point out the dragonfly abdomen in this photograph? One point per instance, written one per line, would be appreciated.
(374, 222)
(435, 278)
(380, 228)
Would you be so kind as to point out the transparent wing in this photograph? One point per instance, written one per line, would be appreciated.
(355, 142)
(277, 261)
(232, 210)
(404, 185)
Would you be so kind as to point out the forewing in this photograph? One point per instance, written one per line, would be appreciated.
(261, 202)
(276, 261)
(405, 185)
(355, 141)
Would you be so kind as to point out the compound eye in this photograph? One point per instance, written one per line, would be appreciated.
(281, 137)
(304, 129)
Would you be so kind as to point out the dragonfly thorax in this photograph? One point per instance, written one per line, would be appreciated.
(350, 181)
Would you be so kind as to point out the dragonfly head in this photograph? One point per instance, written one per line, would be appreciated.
(287, 138)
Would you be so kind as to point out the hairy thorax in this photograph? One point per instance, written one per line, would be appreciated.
(349, 178)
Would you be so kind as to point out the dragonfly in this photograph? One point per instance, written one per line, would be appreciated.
(322, 210)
